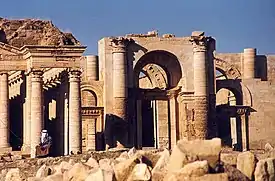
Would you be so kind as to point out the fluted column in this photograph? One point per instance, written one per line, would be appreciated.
(75, 126)
(36, 108)
(249, 56)
(4, 112)
(27, 122)
(200, 85)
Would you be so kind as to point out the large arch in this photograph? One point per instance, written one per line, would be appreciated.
(166, 60)
(161, 71)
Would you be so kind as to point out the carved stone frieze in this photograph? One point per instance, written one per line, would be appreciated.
(10, 57)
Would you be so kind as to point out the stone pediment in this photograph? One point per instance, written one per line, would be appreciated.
(6, 49)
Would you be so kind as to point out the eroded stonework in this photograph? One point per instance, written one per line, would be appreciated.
(141, 90)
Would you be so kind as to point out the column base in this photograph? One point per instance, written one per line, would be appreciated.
(5, 150)
(26, 149)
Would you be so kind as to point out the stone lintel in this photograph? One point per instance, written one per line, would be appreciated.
(12, 65)
(62, 63)
(52, 51)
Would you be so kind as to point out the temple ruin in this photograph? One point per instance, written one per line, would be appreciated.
(142, 90)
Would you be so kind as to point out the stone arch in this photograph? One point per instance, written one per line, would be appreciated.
(166, 60)
(156, 76)
(228, 69)
(88, 98)
(96, 91)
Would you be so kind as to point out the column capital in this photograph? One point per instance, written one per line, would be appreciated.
(74, 75)
(119, 44)
(241, 111)
(200, 42)
(37, 75)
(173, 93)
(3, 72)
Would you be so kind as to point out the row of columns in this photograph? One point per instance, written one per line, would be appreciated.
(34, 118)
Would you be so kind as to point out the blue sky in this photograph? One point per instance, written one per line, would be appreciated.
(236, 24)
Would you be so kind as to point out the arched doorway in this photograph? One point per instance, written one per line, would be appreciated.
(155, 74)
(88, 101)
(228, 98)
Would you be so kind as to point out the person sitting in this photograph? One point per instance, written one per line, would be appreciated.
(43, 149)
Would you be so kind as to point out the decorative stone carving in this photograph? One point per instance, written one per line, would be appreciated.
(74, 75)
(119, 44)
(241, 111)
(200, 43)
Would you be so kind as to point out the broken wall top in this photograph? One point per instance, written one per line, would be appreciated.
(33, 32)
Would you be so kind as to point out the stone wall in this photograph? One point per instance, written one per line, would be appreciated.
(262, 89)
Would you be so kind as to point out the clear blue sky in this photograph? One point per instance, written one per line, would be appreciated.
(236, 24)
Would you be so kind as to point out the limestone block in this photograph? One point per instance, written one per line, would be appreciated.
(229, 158)
(265, 170)
(189, 151)
(246, 162)
(162, 162)
(13, 175)
(92, 163)
(106, 165)
(95, 175)
(132, 152)
(141, 172)
(207, 177)
(234, 174)
(54, 177)
(197, 168)
(78, 172)
(123, 169)
(122, 157)
(62, 167)
(43, 171)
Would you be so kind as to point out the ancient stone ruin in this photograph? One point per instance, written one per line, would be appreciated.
(147, 91)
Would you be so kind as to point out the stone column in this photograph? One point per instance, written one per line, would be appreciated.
(249, 57)
(173, 118)
(120, 84)
(92, 67)
(243, 113)
(75, 126)
(66, 124)
(200, 85)
(4, 113)
(27, 123)
(36, 109)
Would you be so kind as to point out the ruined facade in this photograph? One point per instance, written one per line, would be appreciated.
(140, 90)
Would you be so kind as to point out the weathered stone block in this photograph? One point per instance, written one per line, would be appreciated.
(246, 163)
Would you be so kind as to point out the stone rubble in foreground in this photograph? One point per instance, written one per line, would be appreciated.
(197, 160)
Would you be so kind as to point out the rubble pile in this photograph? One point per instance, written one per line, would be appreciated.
(33, 32)
(196, 160)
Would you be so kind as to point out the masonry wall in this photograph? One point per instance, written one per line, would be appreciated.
(261, 123)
